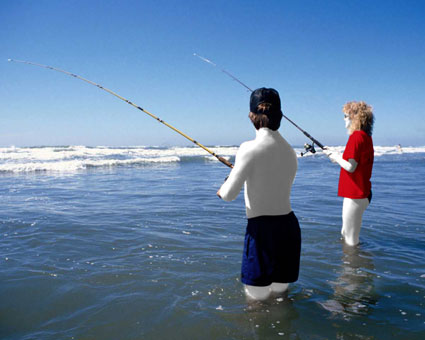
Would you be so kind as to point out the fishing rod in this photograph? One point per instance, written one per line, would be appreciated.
(307, 147)
(221, 159)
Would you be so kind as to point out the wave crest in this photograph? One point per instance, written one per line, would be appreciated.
(75, 158)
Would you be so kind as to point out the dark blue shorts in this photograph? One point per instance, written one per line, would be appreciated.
(272, 250)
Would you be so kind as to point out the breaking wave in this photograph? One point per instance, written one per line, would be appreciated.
(76, 158)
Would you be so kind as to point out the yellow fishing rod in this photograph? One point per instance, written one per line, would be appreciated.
(221, 159)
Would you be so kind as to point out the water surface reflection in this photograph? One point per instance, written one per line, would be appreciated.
(354, 289)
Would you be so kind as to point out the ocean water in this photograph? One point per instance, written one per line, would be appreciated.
(132, 243)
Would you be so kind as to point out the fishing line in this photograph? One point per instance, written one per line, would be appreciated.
(307, 147)
(221, 159)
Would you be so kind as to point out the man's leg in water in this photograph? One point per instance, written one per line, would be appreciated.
(257, 293)
(262, 293)
(277, 287)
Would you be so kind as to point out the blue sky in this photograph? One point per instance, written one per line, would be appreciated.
(317, 54)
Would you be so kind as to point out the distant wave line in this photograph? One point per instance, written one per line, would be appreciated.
(75, 158)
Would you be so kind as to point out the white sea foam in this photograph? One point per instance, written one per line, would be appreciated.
(46, 163)
(388, 150)
(63, 153)
(74, 158)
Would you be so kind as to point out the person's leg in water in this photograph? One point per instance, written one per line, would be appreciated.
(279, 288)
(263, 293)
(352, 213)
(257, 292)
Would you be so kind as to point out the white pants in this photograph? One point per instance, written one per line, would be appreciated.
(352, 213)
(263, 293)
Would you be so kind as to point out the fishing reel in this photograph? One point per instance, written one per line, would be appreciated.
(308, 148)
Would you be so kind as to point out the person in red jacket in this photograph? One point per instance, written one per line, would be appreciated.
(356, 168)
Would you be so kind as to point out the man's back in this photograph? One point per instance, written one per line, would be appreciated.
(267, 165)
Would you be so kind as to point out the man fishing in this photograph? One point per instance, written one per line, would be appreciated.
(266, 166)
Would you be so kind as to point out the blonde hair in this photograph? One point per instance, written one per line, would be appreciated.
(361, 116)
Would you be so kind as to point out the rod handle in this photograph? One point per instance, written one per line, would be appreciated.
(225, 162)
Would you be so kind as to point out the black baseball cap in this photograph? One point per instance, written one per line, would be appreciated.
(265, 95)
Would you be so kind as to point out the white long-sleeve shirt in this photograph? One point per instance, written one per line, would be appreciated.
(266, 166)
